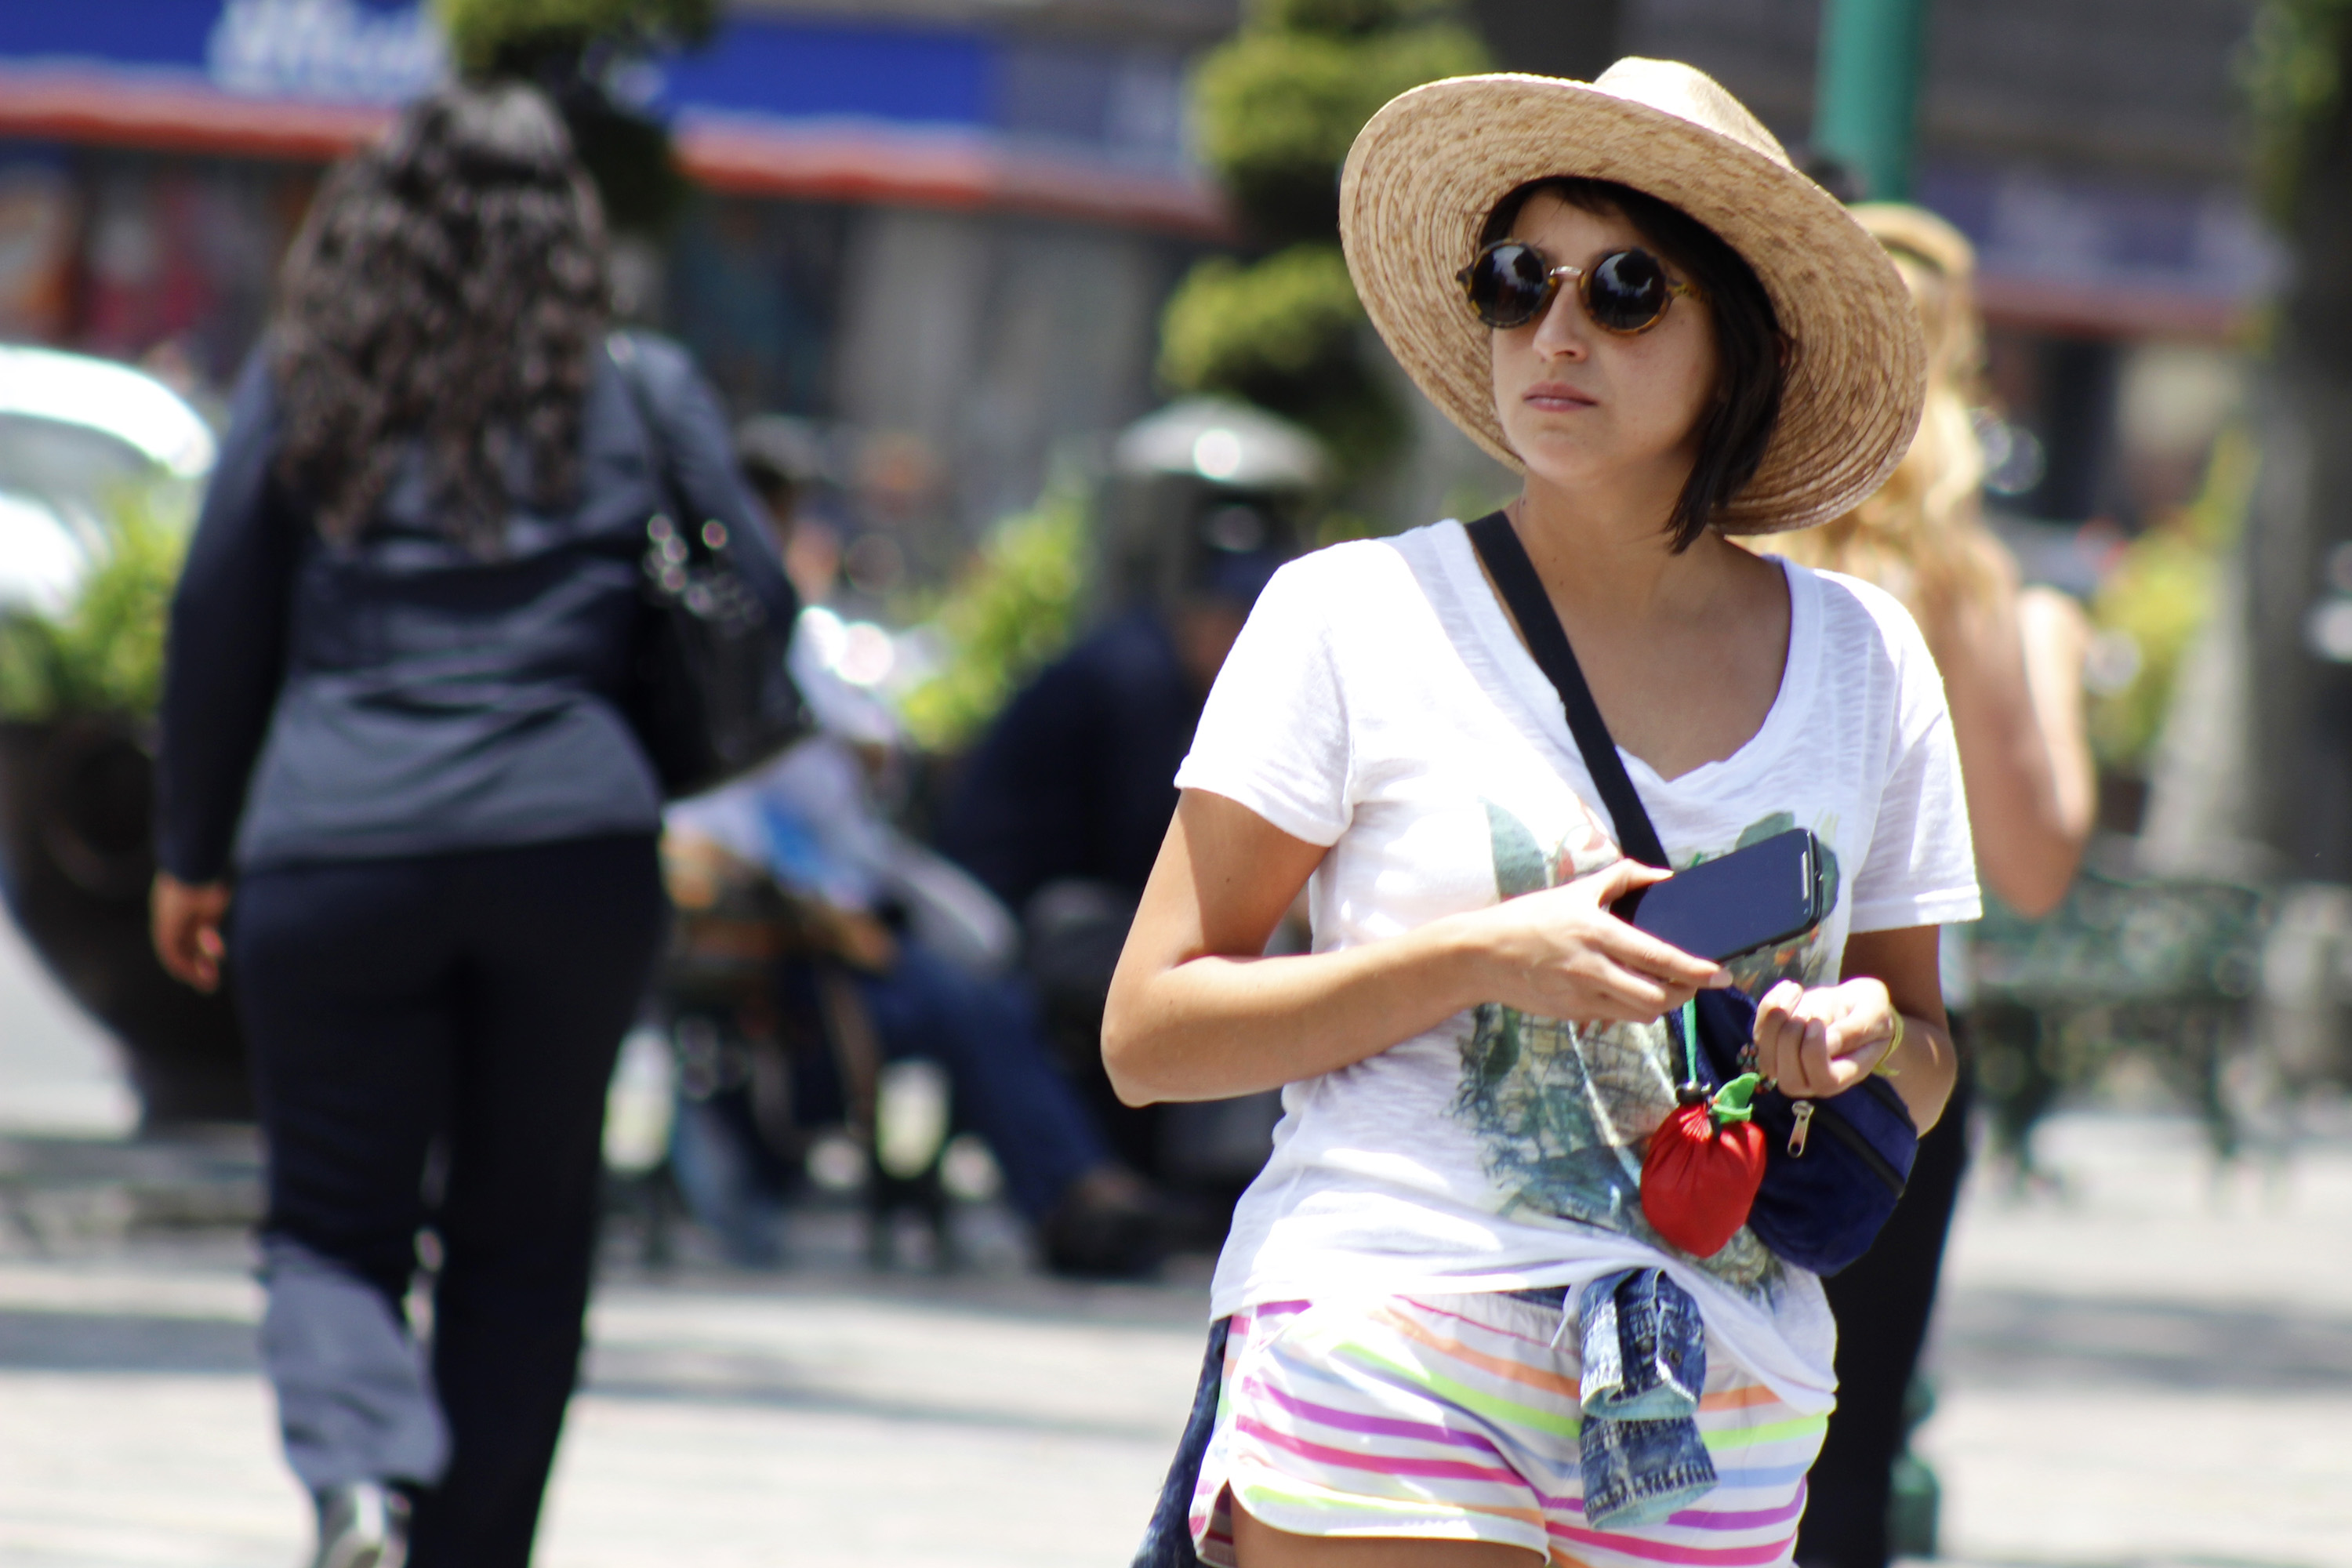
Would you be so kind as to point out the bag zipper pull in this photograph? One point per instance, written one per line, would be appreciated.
(1803, 1110)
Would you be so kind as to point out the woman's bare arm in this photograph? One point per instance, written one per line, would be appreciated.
(2057, 636)
(2012, 667)
(1195, 1013)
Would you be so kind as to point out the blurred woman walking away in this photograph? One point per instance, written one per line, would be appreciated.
(394, 711)
(2012, 659)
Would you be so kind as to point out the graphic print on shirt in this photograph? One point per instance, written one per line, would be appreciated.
(1561, 1113)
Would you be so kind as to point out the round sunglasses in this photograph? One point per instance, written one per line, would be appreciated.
(1625, 292)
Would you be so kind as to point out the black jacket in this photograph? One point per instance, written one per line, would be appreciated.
(1077, 777)
(405, 695)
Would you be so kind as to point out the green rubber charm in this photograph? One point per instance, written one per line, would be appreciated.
(1735, 1102)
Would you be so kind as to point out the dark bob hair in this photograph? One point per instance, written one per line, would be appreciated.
(1750, 349)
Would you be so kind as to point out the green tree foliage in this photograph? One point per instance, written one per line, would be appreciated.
(1347, 17)
(2291, 67)
(2161, 594)
(570, 48)
(105, 653)
(506, 37)
(1284, 333)
(1278, 107)
(1013, 611)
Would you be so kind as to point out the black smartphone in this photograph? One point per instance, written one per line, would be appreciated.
(1752, 897)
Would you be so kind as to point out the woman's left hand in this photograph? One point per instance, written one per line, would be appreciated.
(1822, 1041)
(184, 921)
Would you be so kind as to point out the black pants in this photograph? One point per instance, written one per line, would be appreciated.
(471, 1003)
(1882, 1303)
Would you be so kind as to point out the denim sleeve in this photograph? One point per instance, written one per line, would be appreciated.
(701, 446)
(225, 650)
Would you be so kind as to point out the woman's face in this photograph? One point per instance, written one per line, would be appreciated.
(1583, 408)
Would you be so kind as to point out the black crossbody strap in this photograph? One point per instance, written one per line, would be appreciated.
(1506, 562)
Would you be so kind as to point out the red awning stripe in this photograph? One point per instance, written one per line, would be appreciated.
(172, 113)
(826, 160)
(875, 163)
(2095, 309)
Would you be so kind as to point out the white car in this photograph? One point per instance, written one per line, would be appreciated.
(77, 436)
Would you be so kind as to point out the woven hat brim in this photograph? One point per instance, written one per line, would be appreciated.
(1426, 171)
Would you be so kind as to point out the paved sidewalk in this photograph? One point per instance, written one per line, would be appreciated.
(2156, 1369)
(2150, 1371)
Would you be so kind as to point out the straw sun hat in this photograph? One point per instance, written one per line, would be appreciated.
(1427, 170)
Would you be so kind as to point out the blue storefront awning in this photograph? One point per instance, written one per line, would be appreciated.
(846, 109)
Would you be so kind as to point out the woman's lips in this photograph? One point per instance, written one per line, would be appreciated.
(1555, 398)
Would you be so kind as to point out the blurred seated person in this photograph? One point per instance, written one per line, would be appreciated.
(928, 947)
(1061, 808)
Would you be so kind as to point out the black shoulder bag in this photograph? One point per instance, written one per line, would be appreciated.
(1823, 1198)
(710, 695)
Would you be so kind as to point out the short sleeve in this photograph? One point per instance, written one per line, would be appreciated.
(1274, 734)
(1921, 866)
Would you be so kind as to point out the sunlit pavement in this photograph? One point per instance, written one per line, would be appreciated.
(2148, 1370)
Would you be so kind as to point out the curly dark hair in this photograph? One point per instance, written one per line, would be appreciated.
(447, 294)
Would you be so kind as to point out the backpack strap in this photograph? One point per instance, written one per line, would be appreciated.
(1515, 575)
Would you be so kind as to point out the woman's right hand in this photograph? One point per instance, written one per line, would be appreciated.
(1559, 953)
(185, 921)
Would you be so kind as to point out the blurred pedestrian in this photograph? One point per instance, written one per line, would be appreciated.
(402, 811)
(2011, 658)
(1455, 1335)
(1062, 806)
(931, 949)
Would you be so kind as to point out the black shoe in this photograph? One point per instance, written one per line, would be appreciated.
(362, 1524)
(1110, 1225)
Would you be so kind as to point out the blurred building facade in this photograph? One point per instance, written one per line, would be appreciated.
(946, 227)
(2096, 152)
(943, 228)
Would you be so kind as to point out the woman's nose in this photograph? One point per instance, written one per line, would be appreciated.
(1561, 333)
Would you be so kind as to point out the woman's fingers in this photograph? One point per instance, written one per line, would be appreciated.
(1813, 1054)
(180, 946)
(1592, 987)
(1820, 1043)
(184, 923)
(1785, 1019)
(1636, 948)
(1774, 1015)
(1640, 951)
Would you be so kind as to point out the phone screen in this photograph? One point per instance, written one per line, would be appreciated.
(1738, 902)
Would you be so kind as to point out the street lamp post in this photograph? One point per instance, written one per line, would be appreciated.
(1866, 91)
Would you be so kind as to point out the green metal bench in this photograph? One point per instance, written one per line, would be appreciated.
(2159, 967)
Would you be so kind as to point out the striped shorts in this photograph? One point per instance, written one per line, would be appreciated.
(1453, 1418)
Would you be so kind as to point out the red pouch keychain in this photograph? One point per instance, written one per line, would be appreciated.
(1704, 1162)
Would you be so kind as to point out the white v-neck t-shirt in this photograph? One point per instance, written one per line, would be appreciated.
(1378, 702)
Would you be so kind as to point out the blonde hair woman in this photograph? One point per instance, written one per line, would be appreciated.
(2011, 658)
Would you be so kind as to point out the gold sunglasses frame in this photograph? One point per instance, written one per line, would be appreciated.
(1675, 288)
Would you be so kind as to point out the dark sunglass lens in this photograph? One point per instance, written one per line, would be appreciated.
(1628, 290)
(1507, 285)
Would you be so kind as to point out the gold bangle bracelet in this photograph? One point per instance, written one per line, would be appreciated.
(1881, 1067)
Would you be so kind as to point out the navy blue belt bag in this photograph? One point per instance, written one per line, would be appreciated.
(1834, 1168)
